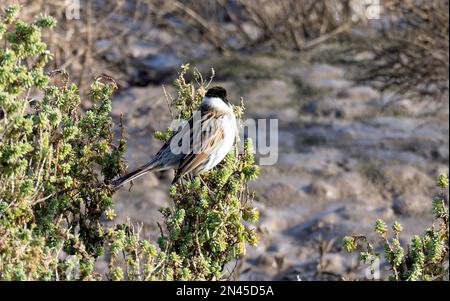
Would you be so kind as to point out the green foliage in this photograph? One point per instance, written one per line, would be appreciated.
(426, 258)
(54, 161)
(55, 166)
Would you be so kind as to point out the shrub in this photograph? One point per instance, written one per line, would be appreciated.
(204, 229)
(55, 166)
(409, 53)
(54, 161)
(426, 258)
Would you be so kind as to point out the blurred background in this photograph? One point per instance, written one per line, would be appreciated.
(360, 89)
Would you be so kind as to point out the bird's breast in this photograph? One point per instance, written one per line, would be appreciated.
(228, 124)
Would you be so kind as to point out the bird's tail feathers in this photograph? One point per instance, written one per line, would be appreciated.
(134, 174)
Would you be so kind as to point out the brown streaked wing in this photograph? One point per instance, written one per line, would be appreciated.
(210, 140)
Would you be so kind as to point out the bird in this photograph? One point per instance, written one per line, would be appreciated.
(211, 132)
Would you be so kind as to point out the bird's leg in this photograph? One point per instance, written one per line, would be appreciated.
(182, 183)
(204, 183)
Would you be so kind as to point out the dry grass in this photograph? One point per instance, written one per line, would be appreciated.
(408, 53)
(242, 24)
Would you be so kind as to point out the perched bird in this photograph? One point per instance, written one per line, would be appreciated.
(210, 134)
